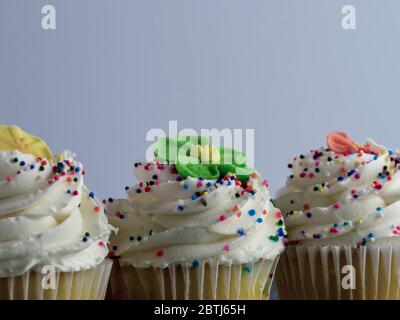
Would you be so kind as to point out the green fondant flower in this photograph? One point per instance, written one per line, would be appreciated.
(194, 156)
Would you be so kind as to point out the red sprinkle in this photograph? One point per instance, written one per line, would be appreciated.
(336, 205)
(334, 230)
(173, 170)
(159, 253)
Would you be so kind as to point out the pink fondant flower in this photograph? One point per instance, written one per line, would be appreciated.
(340, 142)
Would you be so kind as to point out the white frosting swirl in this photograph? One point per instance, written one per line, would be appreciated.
(47, 216)
(333, 198)
(167, 219)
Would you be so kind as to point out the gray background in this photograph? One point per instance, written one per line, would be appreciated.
(115, 69)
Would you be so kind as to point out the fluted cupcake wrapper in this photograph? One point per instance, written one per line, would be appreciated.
(324, 272)
(88, 284)
(207, 281)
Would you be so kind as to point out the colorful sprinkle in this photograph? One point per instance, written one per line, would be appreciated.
(159, 253)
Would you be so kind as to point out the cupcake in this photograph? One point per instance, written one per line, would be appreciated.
(53, 231)
(195, 229)
(342, 210)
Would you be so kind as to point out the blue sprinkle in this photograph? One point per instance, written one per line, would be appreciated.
(252, 212)
(91, 194)
(336, 225)
(280, 232)
(84, 239)
(194, 197)
(77, 169)
(186, 186)
(138, 190)
(370, 235)
(247, 269)
(376, 158)
(351, 172)
(22, 163)
(240, 232)
(195, 264)
(390, 152)
(126, 188)
(340, 178)
(32, 166)
(180, 208)
(259, 220)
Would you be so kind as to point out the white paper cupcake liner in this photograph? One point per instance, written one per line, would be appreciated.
(209, 281)
(316, 272)
(88, 284)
